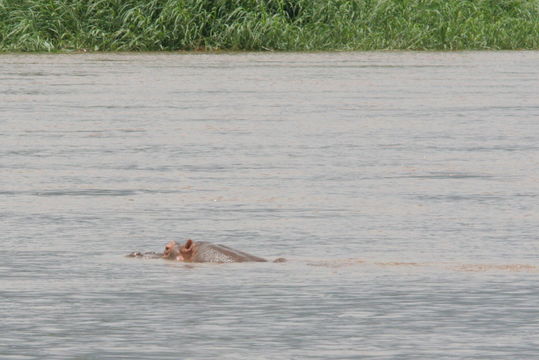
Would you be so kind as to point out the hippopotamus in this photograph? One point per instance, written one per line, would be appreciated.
(202, 251)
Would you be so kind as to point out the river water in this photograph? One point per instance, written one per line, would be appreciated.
(403, 189)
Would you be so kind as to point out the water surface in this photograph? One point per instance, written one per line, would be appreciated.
(402, 187)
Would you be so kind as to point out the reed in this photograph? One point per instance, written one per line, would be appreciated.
(292, 25)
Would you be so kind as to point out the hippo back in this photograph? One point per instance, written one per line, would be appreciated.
(216, 253)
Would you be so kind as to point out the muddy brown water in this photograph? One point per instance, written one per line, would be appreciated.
(403, 189)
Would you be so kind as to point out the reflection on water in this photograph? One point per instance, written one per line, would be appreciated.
(401, 187)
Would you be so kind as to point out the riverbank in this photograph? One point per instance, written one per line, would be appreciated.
(287, 25)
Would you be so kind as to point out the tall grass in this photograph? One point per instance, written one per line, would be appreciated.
(110, 25)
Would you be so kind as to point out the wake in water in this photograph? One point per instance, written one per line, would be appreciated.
(340, 263)
(451, 266)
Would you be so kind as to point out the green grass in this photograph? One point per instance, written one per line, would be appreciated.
(295, 25)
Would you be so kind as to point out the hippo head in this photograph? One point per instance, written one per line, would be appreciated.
(172, 251)
(175, 251)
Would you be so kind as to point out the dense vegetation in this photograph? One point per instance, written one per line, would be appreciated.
(62, 25)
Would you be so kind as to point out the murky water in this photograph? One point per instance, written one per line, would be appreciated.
(402, 187)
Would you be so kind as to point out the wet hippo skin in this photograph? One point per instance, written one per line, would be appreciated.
(202, 251)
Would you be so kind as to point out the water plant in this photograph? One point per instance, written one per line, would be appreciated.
(146, 25)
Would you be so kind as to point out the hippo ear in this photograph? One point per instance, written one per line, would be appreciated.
(187, 248)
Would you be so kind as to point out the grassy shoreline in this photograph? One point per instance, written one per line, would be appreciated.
(286, 25)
